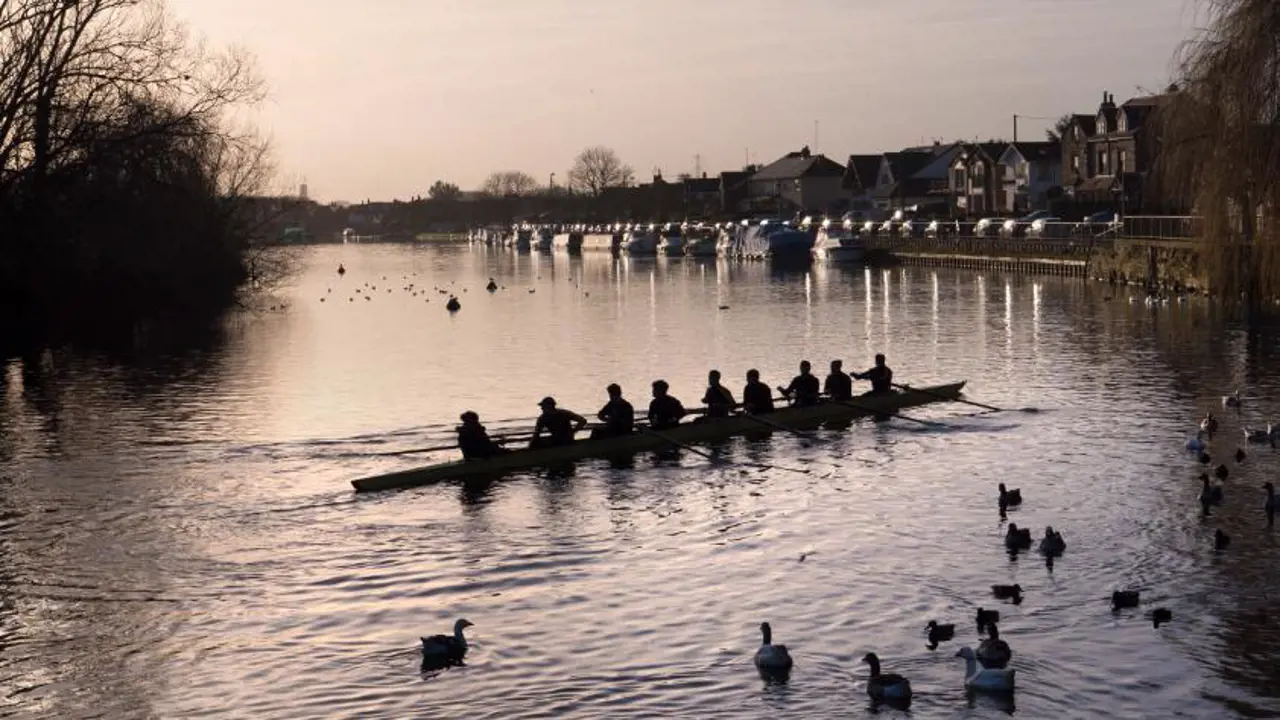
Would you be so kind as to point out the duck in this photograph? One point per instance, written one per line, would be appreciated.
(1209, 424)
(940, 633)
(1121, 599)
(1210, 494)
(1270, 506)
(1232, 400)
(980, 677)
(444, 649)
(1221, 540)
(994, 652)
(1052, 543)
(1197, 444)
(1159, 616)
(1221, 472)
(1240, 455)
(1008, 592)
(1259, 436)
(987, 617)
(492, 286)
(453, 305)
(341, 270)
(1204, 458)
(1010, 498)
(885, 687)
(770, 658)
(1017, 538)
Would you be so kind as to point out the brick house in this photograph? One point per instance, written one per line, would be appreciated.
(976, 183)
(1111, 158)
(799, 181)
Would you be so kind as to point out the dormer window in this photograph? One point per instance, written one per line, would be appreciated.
(1079, 133)
(1121, 123)
(1102, 122)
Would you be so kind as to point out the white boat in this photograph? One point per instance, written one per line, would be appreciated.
(838, 243)
(522, 238)
(543, 237)
(775, 240)
(607, 238)
(701, 241)
(673, 240)
(569, 239)
(640, 240)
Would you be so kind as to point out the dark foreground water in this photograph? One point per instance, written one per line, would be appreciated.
(178, 537)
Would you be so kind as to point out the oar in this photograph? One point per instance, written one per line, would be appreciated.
(500, 439)
(713, 458)
(958, 399)
(777, 426)
(875, 411)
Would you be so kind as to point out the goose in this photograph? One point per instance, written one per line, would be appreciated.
(1196, 444)
(1160, 616)
(1010, 498)
(940, 633)
(1052, 543)
(994, 652)
(1124, 599)
(1270, 506)
(1008, 592)
(885, 687)
(979, 677)
(444, 648)
(1259, 436)
(1232, 400)
(1210, 494)
(987, 617)
(1209, 424)
(453, 305)
(1221, 540)
(492, 286)
(341, 270)
(1017, 538)
(1240, 455)
(771, 658)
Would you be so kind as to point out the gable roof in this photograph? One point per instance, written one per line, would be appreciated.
(799, 164)
(1036, 151)
(906, 163)
(860, 174)
(1088, 123)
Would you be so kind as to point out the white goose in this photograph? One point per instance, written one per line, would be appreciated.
(978, 677)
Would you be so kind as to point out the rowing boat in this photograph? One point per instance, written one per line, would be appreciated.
(695, 432)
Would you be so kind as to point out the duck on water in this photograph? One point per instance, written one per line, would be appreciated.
(445, 650)
(772, 660)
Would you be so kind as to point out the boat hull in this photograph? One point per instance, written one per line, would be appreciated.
(639, 442)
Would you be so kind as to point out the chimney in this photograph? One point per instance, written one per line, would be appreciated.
(804, 152)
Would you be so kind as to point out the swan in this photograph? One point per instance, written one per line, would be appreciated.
(1008, 592)
(443, 649)
(1196, 444)
(1259, 436)
(1052, 543)
(1270, 506)
(1232, 400)
(987, 617)
(771, 658)
(940, 633)
(1016, 538)
(1160, 616)
(979, 677)
(1209, 424)
(1009, 498)
(1221, 540)
(1124, 599)
(885, 687)
(994, 652)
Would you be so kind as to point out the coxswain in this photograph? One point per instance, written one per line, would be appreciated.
(718, 399)
(838, 385)
(803, 390)
(881, 377)
(453, 305)
(618, 416)
(664, 410)
(558, 424)
(492, 286)
(757, 398)
(473, 440)
(341, 270)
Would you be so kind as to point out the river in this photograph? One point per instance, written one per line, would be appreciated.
(178, 535)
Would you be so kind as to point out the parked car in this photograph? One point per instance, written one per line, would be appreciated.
(888, 227)
(987, 227)
(913, 228)
(940, 228)
(1097, 223)
(1048, 228)
(869, 228)
(1017, 227)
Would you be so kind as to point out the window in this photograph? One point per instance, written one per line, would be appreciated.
(1121, 123)
(1122, 165)
(1075, 164)
(1102, 162)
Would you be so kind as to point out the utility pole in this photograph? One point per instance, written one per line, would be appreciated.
(551, 184)
(1015, 127)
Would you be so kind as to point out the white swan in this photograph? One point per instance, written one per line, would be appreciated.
(978, 677)
(771, 658)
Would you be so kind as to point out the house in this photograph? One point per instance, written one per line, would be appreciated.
(1110, 165)
(733, 188)
(701, 197)
(859, 181)
(913, 177)
(1031, 173)
(799, 181)
(1075, 145)
(975, 183)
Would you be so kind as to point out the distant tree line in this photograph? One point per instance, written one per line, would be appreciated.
(123, 185)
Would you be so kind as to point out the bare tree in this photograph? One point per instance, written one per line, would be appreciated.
(597, 168)
(509, 183)
(1059, 129)
(441, 190)
(1219, 145)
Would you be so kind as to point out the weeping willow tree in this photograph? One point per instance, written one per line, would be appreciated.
(1220, 145)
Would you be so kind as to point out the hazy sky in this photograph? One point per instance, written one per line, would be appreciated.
(379, 98)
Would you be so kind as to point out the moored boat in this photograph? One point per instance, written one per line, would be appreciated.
(701, 241)
(543, 237)
(640, 240)
(643, 441)
(569, 239)
(608, 237)
(673, 240)
(775, 240)
(838, 243)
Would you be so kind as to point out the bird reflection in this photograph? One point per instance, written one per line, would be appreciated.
(475, 492)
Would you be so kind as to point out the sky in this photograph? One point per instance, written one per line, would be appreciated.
(378, 99)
